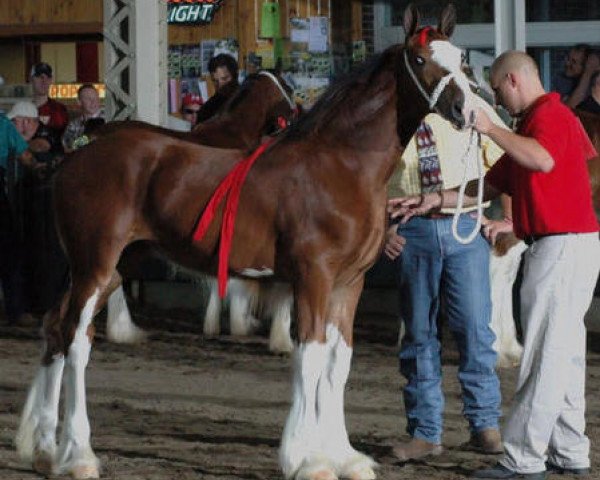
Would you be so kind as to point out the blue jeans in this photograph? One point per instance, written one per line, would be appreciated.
(434, 265)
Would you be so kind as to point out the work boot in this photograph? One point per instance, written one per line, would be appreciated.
(415, 449)
(487, 440)
(500, 472)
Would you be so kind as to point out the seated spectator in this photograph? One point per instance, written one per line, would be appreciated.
(190, 106)
(224, 73)
(89, 102)
(592, 102)
(53, 114)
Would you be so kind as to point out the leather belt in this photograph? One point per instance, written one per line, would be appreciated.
(531, 239)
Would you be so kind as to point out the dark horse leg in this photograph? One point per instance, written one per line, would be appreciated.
(315, 442)
(68, 334)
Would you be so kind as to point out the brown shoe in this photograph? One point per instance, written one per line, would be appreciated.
(487, 441)
(415, 449)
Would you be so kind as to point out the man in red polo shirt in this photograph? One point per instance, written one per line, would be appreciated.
(53, 114)
(544, 170)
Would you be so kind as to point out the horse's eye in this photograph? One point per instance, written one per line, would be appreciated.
(420, 60)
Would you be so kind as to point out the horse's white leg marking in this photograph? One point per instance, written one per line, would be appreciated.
(212, 318)
(75, 454)
(503, 272)
(280, 304)
(300, 454)
(330, 407)
(243, 295)
(36, 437)
(119, 326)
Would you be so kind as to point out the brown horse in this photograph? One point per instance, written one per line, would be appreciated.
(312, 212)
(255, 109)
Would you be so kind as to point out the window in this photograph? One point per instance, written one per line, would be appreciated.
(561, 10)
(467, 11)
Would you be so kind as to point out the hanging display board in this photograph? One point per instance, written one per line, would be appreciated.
(192, 11)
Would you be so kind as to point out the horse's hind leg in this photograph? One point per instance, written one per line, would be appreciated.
(36, 437)
(119, 326)
(75, 455)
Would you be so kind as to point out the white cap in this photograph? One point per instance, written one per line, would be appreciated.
(23, 109)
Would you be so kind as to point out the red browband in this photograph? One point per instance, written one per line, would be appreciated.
(423, 36)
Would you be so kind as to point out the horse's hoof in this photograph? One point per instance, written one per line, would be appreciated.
(42, 464)
(85, 471)
(364, 473)
(323, 475)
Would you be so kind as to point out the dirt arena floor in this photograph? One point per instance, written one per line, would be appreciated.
(184, 407)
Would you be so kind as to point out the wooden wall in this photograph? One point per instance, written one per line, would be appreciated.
(235, 19)
(240, 19)
(50, 17)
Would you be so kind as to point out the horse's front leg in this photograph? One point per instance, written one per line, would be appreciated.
(301, 454)
(349, 462)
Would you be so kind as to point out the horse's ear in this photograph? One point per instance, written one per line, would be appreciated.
(411, 20)
(447, 20)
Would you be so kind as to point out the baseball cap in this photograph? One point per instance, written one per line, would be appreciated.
(41, 68)
(23, 109)
(191, 99)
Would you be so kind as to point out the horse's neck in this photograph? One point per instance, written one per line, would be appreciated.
(240, 127)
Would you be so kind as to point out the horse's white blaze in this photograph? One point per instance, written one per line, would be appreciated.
(119, 326)
(315, 436)
(74, 449)
(449, 56)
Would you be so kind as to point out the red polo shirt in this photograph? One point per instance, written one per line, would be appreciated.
(559, 201)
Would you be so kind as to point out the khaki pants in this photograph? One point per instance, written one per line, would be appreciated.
(547, 420)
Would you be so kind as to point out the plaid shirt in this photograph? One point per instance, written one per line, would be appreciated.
(451, 145)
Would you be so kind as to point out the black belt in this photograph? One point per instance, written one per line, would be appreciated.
(530, 239)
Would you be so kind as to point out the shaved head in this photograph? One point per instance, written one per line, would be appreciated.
(513, 61)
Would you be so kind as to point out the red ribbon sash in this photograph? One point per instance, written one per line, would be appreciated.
(231, 186)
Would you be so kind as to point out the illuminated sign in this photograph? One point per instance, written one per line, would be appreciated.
(192, 11)
(69, 90)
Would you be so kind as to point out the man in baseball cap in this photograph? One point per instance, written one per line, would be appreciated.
(40, 69)
(53, 114)
(190, 106)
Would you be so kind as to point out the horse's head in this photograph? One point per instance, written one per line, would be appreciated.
(278, 96)
(436, 66)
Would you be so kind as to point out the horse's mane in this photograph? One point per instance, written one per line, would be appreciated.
(340, 99)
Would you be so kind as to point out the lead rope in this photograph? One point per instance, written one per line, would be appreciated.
(461, 192)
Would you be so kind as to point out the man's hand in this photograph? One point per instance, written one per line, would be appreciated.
(394, 243)
(407, 207)
(492, 228)
(483, 124)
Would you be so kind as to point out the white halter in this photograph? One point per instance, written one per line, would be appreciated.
(433, 99)
(279, 86)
